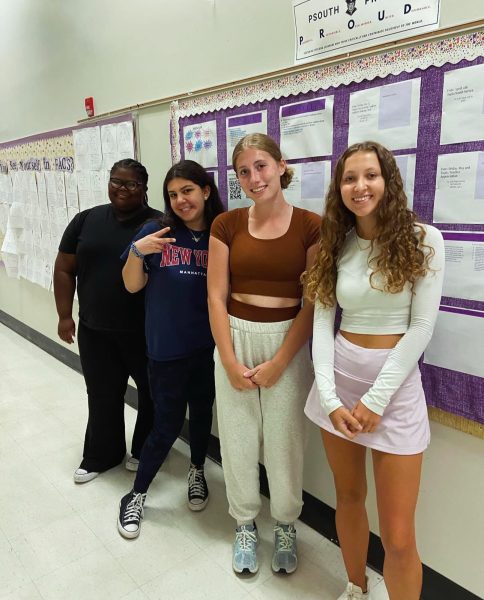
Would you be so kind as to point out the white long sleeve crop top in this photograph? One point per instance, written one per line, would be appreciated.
(371, 311)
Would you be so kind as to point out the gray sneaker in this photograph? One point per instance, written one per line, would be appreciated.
(285, 549)
(244, 556)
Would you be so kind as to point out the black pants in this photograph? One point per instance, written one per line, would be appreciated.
(108, 359)
(174, 384)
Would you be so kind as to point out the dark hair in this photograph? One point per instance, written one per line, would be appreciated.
(191, 170)
(130, 163)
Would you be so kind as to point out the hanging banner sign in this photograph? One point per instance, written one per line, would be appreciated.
(325, 28)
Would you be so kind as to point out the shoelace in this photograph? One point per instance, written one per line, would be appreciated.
(195, 482)
(134, 508)
(285, 538)
(245, 539)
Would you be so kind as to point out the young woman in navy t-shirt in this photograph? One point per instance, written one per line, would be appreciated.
(169, 258)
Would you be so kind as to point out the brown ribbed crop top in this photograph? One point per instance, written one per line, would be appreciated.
(267, 267)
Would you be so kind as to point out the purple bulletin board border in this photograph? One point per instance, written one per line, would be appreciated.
(451, 391)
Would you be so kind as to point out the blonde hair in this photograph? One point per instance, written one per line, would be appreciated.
(400, 239)
(260, 141)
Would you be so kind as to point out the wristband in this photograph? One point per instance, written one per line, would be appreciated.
(135, 251)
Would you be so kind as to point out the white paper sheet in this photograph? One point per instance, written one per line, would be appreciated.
(125, 139)
(463, 105)
(84, 190)
(51, 189)
(42, 193)
(19, 187)
(464, 265)
(32, 195)
(239, 126)
(459, 188)
(109, 144)
(200, 143)
(5, 189)
(45, 227)
(60, 186)
(47, 271)
(307, 128)
(309, 185)
(72, 198)
(235, 194)
(98, 188)
(387, 114)
(406, 165)
(87, 148)
(10, 241)
(16, 218)
(27, 214)
(4, 211)
(11, 264)
(456, 343)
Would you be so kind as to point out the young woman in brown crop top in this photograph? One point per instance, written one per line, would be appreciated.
(262, 365)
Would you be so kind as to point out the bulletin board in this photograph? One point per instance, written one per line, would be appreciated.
(425, 103)
(45, 180)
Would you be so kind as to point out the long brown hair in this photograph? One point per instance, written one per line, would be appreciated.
(399, 237)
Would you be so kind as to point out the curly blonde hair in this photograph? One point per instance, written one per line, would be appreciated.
(261, 141)
(399, 238)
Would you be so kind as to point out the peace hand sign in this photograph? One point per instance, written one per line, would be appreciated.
(154, 242)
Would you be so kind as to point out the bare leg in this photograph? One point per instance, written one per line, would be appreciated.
(397, 480)
(347, 462)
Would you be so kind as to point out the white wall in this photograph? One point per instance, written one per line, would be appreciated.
(56, 52)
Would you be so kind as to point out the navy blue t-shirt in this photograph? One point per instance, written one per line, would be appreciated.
(176, 309)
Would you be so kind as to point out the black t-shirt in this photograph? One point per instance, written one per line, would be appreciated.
(98, 239)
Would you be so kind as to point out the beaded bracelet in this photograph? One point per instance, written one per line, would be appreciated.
(135, 251)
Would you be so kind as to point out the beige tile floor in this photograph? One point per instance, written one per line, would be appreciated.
(58, 540)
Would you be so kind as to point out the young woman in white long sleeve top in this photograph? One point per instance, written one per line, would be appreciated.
(385, 271)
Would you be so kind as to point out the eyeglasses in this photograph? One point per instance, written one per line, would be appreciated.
(129, 185)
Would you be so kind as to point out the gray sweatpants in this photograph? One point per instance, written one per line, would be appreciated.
(269, 417)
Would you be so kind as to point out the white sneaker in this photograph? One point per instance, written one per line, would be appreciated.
(353, 592)
(132, 464)
(81, 475)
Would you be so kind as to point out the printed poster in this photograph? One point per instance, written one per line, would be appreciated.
(200, 143)
(325, 28)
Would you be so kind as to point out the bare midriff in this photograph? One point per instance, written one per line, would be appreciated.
(266, 301)
(372, 341)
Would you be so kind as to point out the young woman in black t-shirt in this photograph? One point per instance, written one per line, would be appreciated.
(111, 321)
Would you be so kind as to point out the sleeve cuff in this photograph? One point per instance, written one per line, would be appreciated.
(373, 406)
(331, 406)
